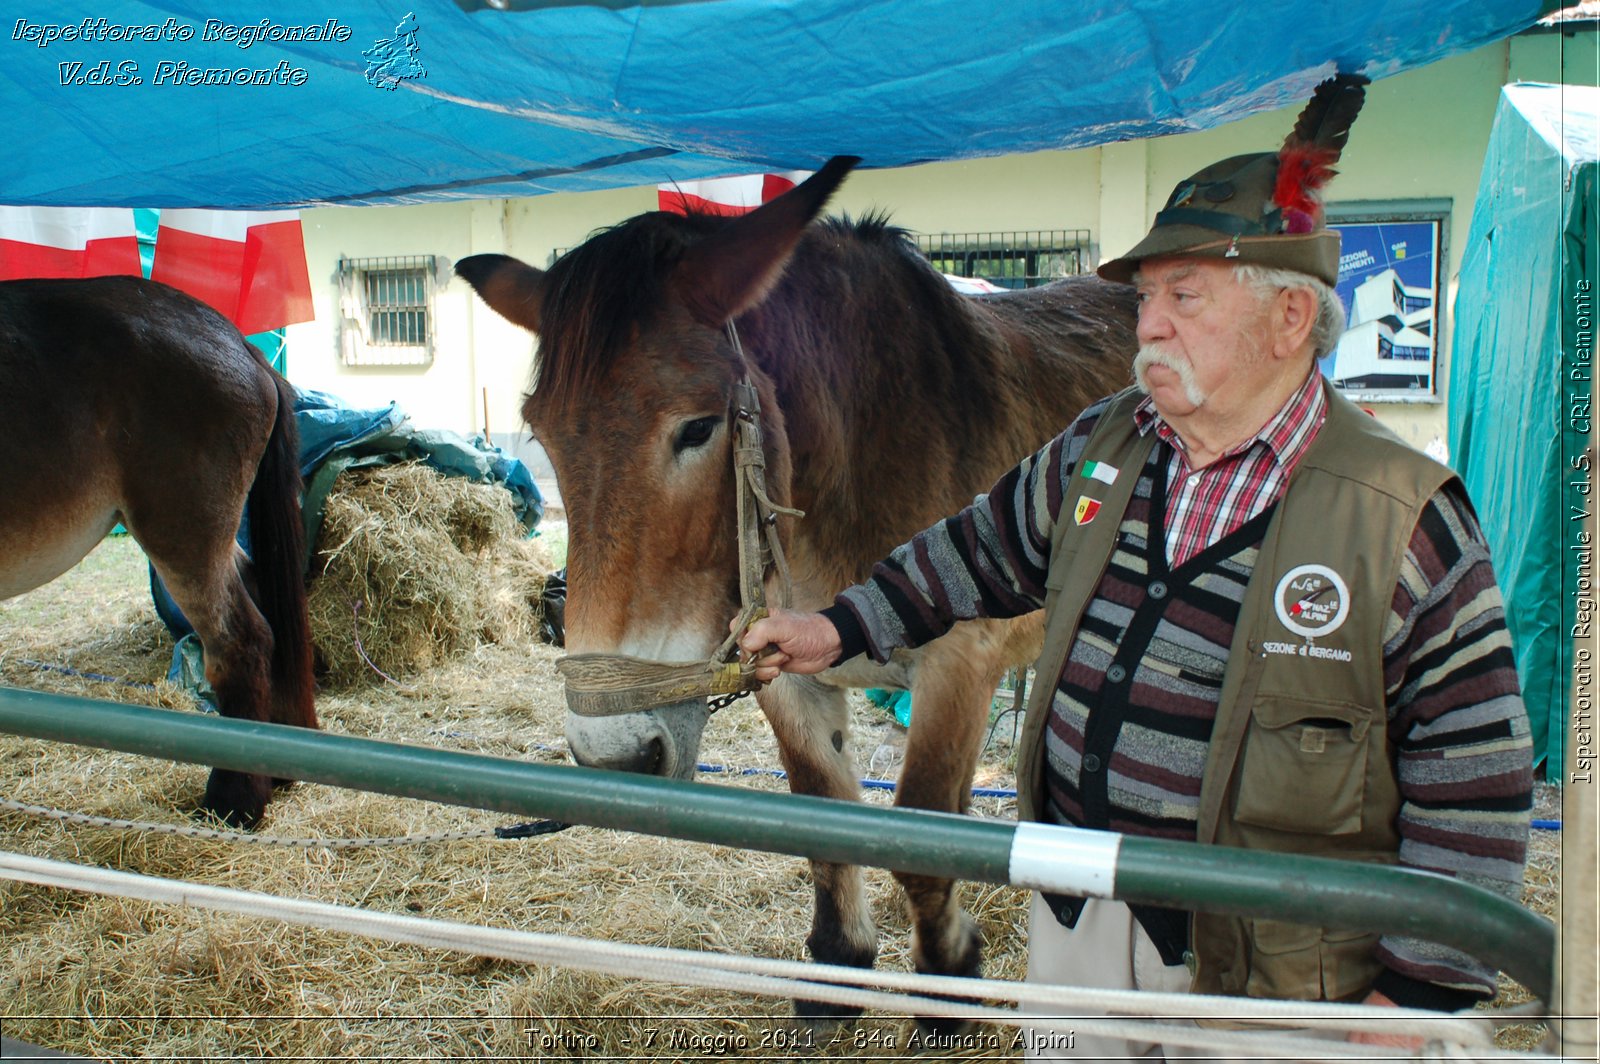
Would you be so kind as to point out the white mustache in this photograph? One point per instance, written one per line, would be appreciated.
(1154, 355)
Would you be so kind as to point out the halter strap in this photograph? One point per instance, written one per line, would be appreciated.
(606, 685)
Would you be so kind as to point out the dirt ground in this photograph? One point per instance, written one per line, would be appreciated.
(112, 978)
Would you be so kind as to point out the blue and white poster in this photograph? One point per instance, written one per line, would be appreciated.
(1389, 283)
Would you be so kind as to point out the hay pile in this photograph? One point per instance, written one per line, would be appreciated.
(414, 568)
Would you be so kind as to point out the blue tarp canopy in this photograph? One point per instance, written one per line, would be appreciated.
(396, 102)
(1522, 380)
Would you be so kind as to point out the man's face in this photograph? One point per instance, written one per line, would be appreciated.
(1203, 336)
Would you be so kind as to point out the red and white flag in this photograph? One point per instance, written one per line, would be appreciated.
(726, 195)
(249, 265)
(67, 242)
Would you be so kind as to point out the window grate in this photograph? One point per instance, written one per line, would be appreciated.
(387, 310)
(1010, 259)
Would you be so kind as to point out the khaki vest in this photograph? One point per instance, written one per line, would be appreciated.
(1299, 759)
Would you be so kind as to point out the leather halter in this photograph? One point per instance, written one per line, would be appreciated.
(608, 685)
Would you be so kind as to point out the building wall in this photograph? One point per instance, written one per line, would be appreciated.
(1422, 135)
(1573, 58)
(480, 361)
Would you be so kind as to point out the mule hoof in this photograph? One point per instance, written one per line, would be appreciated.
(828, 943)
(938, 1029)
(966, 963)
(237, 799)
(823, 1018)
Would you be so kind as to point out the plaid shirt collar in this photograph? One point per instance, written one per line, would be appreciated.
(1287, 434)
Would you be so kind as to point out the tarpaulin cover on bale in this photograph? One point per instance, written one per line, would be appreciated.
(1525, 321)
(429, 99)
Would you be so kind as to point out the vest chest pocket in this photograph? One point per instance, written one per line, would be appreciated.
(1304, 767)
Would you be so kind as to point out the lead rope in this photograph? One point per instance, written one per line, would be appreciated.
(605, 685)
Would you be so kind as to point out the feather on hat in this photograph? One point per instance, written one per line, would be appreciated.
(1264, 208)
(1305, 162)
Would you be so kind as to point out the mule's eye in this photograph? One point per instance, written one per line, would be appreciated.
(694, 433)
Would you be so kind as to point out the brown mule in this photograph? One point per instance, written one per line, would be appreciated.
(125, 400)
(887, 402)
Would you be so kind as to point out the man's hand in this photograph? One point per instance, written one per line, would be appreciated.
(787, 641)
(1370, 1038)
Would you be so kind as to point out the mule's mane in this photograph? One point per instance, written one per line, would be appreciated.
(598, 293)
(872, 227)
(604, 290)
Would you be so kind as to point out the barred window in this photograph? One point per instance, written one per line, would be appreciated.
(386, 310)
(1018, 259)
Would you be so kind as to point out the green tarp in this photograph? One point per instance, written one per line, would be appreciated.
(1521, 382)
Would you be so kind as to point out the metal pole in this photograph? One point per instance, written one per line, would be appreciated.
(1317, 891)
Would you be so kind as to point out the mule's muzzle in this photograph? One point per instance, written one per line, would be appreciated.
(664, 741)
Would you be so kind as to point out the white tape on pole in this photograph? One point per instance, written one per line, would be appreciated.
(1063, 860)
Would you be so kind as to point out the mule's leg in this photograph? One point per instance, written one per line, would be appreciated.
(950, 699)
(204, 576)
(811, 722)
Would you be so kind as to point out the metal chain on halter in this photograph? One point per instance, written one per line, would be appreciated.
(514, 831)
(604, 685)
(724, 701)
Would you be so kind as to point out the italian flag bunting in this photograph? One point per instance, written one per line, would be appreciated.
(67, 242)
(726, 195)
(249, 265)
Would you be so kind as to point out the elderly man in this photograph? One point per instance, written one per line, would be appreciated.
(1269, 622)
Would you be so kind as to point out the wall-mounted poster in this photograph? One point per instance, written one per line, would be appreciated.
(1389, 272)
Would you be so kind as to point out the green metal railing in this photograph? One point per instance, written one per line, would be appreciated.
(1317, 891)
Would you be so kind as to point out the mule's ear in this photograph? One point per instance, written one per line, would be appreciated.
(509, 285)
(733, 269)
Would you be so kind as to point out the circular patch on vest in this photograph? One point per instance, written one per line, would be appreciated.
(1312, 600)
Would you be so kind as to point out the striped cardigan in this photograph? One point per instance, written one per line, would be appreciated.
(1456, 719)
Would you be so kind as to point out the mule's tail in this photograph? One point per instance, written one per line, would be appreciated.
(278, 556)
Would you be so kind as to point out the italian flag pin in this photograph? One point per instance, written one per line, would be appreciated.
(1086, 510)
(1105, 474)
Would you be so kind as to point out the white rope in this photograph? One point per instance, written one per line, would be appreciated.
(894, 992)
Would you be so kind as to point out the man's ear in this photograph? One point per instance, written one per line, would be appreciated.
(1295, 315)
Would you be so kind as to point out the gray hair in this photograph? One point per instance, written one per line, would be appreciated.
(1268, 281)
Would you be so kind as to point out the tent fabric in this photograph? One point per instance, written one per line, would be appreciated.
(1512, 434)
(519, 97)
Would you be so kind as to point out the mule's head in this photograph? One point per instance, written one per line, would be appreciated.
(632, 400)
